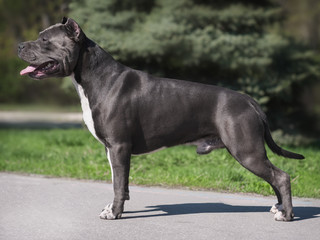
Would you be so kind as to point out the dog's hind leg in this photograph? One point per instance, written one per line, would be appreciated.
(282, 183)
(278, 206)
(244, 140)
(260, 165)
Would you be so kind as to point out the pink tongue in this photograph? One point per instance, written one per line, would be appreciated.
(28, 69)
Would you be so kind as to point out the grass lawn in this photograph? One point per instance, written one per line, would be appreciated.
(75, 153)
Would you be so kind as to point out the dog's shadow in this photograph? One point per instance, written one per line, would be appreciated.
(301, 213)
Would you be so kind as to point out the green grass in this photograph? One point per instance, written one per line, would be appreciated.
(75, 153)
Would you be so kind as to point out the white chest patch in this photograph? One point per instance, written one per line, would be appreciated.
(87, 113)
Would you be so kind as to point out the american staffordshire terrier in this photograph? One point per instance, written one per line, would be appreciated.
(131, 112)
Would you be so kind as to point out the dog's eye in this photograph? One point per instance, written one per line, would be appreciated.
(44, 39)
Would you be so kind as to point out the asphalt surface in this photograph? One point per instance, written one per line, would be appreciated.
(30, 119)
(36, 207)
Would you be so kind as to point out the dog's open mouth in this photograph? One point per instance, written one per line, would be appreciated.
(39, 71)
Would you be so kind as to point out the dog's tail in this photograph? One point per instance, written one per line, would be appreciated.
(268, 138)
(275, 148)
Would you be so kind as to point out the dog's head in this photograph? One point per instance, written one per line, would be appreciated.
(55, 53)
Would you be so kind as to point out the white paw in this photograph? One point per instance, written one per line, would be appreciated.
(279, 216)
(107, 213)
(276, 208)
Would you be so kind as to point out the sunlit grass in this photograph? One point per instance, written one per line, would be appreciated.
(75, 153)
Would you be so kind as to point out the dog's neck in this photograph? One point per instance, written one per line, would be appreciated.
(92, 55)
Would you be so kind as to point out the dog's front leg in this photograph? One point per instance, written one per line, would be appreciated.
(119, 159)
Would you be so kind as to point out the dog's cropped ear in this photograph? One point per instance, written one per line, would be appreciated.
(74, 30)
(64, 20)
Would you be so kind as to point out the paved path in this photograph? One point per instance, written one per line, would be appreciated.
(39, 119)
(34, 207)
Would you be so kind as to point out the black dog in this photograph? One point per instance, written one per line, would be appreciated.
(131, 112)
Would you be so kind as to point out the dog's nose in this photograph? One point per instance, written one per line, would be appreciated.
(20, 47)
